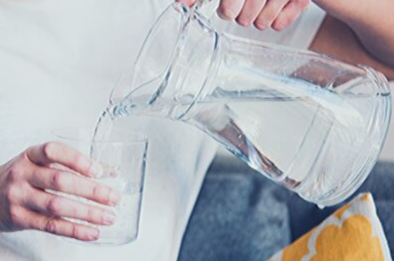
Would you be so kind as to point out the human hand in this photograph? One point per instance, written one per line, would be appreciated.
(24, 203)
(263, 14)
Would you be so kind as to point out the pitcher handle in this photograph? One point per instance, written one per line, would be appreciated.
(207, 8)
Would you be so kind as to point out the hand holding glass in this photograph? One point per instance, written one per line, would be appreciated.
(123, 160)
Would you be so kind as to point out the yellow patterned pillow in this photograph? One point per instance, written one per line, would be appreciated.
(352, 233)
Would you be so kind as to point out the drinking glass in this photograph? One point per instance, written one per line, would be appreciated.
(123, 158)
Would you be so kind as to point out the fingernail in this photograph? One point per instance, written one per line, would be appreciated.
(97, 170)
(114, 197)
(226, 14)
(243, 23)
(261, 26)
(109, 218)
(279, 27)
(188, 2)
(93, 234)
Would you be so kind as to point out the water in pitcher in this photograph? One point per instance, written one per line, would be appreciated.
(267, 135)
(284, 135)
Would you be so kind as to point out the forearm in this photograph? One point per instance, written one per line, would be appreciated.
(372, 21)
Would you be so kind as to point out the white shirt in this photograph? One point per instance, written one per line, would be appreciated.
(58, 62)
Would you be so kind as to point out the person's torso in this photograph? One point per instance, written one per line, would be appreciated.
(58, 63)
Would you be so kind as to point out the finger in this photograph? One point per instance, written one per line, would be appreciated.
(187, 2)
(53, 205)
(250, 11)
(289, 14)
(56, 152)
(59, 226)
(230, 9)
(57, 180)
(269, 13)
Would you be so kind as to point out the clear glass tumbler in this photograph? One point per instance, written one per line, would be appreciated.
(123, 157)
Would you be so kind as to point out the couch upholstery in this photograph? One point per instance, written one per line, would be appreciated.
(241, 215)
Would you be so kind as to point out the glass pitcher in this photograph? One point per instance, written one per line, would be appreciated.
(305, 120)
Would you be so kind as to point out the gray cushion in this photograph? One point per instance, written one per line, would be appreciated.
(237, 217)
(241, 215)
